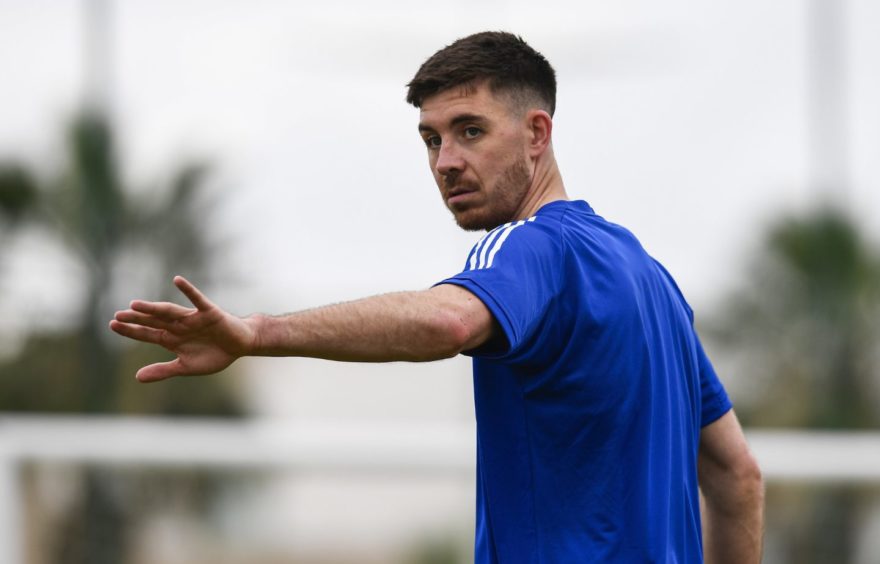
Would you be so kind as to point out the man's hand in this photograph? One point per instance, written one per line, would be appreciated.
(205, 339)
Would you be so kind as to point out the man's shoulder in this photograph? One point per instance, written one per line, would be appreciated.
(537, 233)
(580, 226)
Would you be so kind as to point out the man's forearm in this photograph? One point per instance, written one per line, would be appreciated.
(413, 326)
(733, 529)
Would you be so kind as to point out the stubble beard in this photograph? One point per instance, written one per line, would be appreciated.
(503, 201)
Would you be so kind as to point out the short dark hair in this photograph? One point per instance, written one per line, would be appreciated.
(505, 60)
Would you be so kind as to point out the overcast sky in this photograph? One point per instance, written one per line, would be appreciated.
(686, 121)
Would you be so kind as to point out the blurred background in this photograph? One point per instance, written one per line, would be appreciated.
(264, 150)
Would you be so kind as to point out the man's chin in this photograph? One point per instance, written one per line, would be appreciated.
(472, 226)
(471, 220)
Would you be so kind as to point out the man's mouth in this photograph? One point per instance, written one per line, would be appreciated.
(458, 199)
(458, 193)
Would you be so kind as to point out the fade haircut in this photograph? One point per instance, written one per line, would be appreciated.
(510, 65)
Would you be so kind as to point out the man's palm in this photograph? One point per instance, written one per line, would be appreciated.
(205, 338)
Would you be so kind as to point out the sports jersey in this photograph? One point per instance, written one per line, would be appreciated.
(589, 403)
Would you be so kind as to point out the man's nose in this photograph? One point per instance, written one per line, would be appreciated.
(449, 160)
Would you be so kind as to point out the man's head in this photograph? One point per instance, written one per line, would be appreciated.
(486, 103)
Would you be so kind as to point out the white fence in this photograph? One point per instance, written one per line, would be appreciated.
(324, 447)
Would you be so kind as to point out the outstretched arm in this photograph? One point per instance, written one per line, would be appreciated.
(417, 326)
(733, 494)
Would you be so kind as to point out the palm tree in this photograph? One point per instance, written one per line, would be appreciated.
(806, 326)
(120, 240)
(803, 334)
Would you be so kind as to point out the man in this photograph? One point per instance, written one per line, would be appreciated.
(598, 413)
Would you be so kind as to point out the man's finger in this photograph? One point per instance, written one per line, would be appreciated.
(137, 332)
(159, 371)
(163, 310)
(137, 318)
(193, 294)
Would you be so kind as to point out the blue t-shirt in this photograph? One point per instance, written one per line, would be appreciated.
(589, 403)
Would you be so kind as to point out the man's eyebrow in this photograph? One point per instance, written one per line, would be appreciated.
(457, 120)
(467, 118)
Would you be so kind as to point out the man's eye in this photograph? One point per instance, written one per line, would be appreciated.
(472, 132)
(432, 141)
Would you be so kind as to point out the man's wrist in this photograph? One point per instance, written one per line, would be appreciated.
(256, 324)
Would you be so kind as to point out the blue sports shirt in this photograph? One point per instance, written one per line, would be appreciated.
(590, 402)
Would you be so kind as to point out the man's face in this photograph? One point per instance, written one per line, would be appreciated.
(477, 149)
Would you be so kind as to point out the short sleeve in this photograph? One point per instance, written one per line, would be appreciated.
(515, 271)
(715, 401)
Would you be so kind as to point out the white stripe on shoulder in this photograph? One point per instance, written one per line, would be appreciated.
(481, 244)
(475, 251)
(481, 262)
(499, 241)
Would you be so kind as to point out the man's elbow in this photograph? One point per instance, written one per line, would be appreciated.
(737, 488)
(751, 478)
(747, 472)
(449, 335)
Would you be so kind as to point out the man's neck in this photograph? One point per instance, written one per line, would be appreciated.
(547, 186)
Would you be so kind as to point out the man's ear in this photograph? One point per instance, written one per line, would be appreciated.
(540, 126)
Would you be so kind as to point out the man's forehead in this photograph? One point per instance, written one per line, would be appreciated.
(466, 98)
(456, 94)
